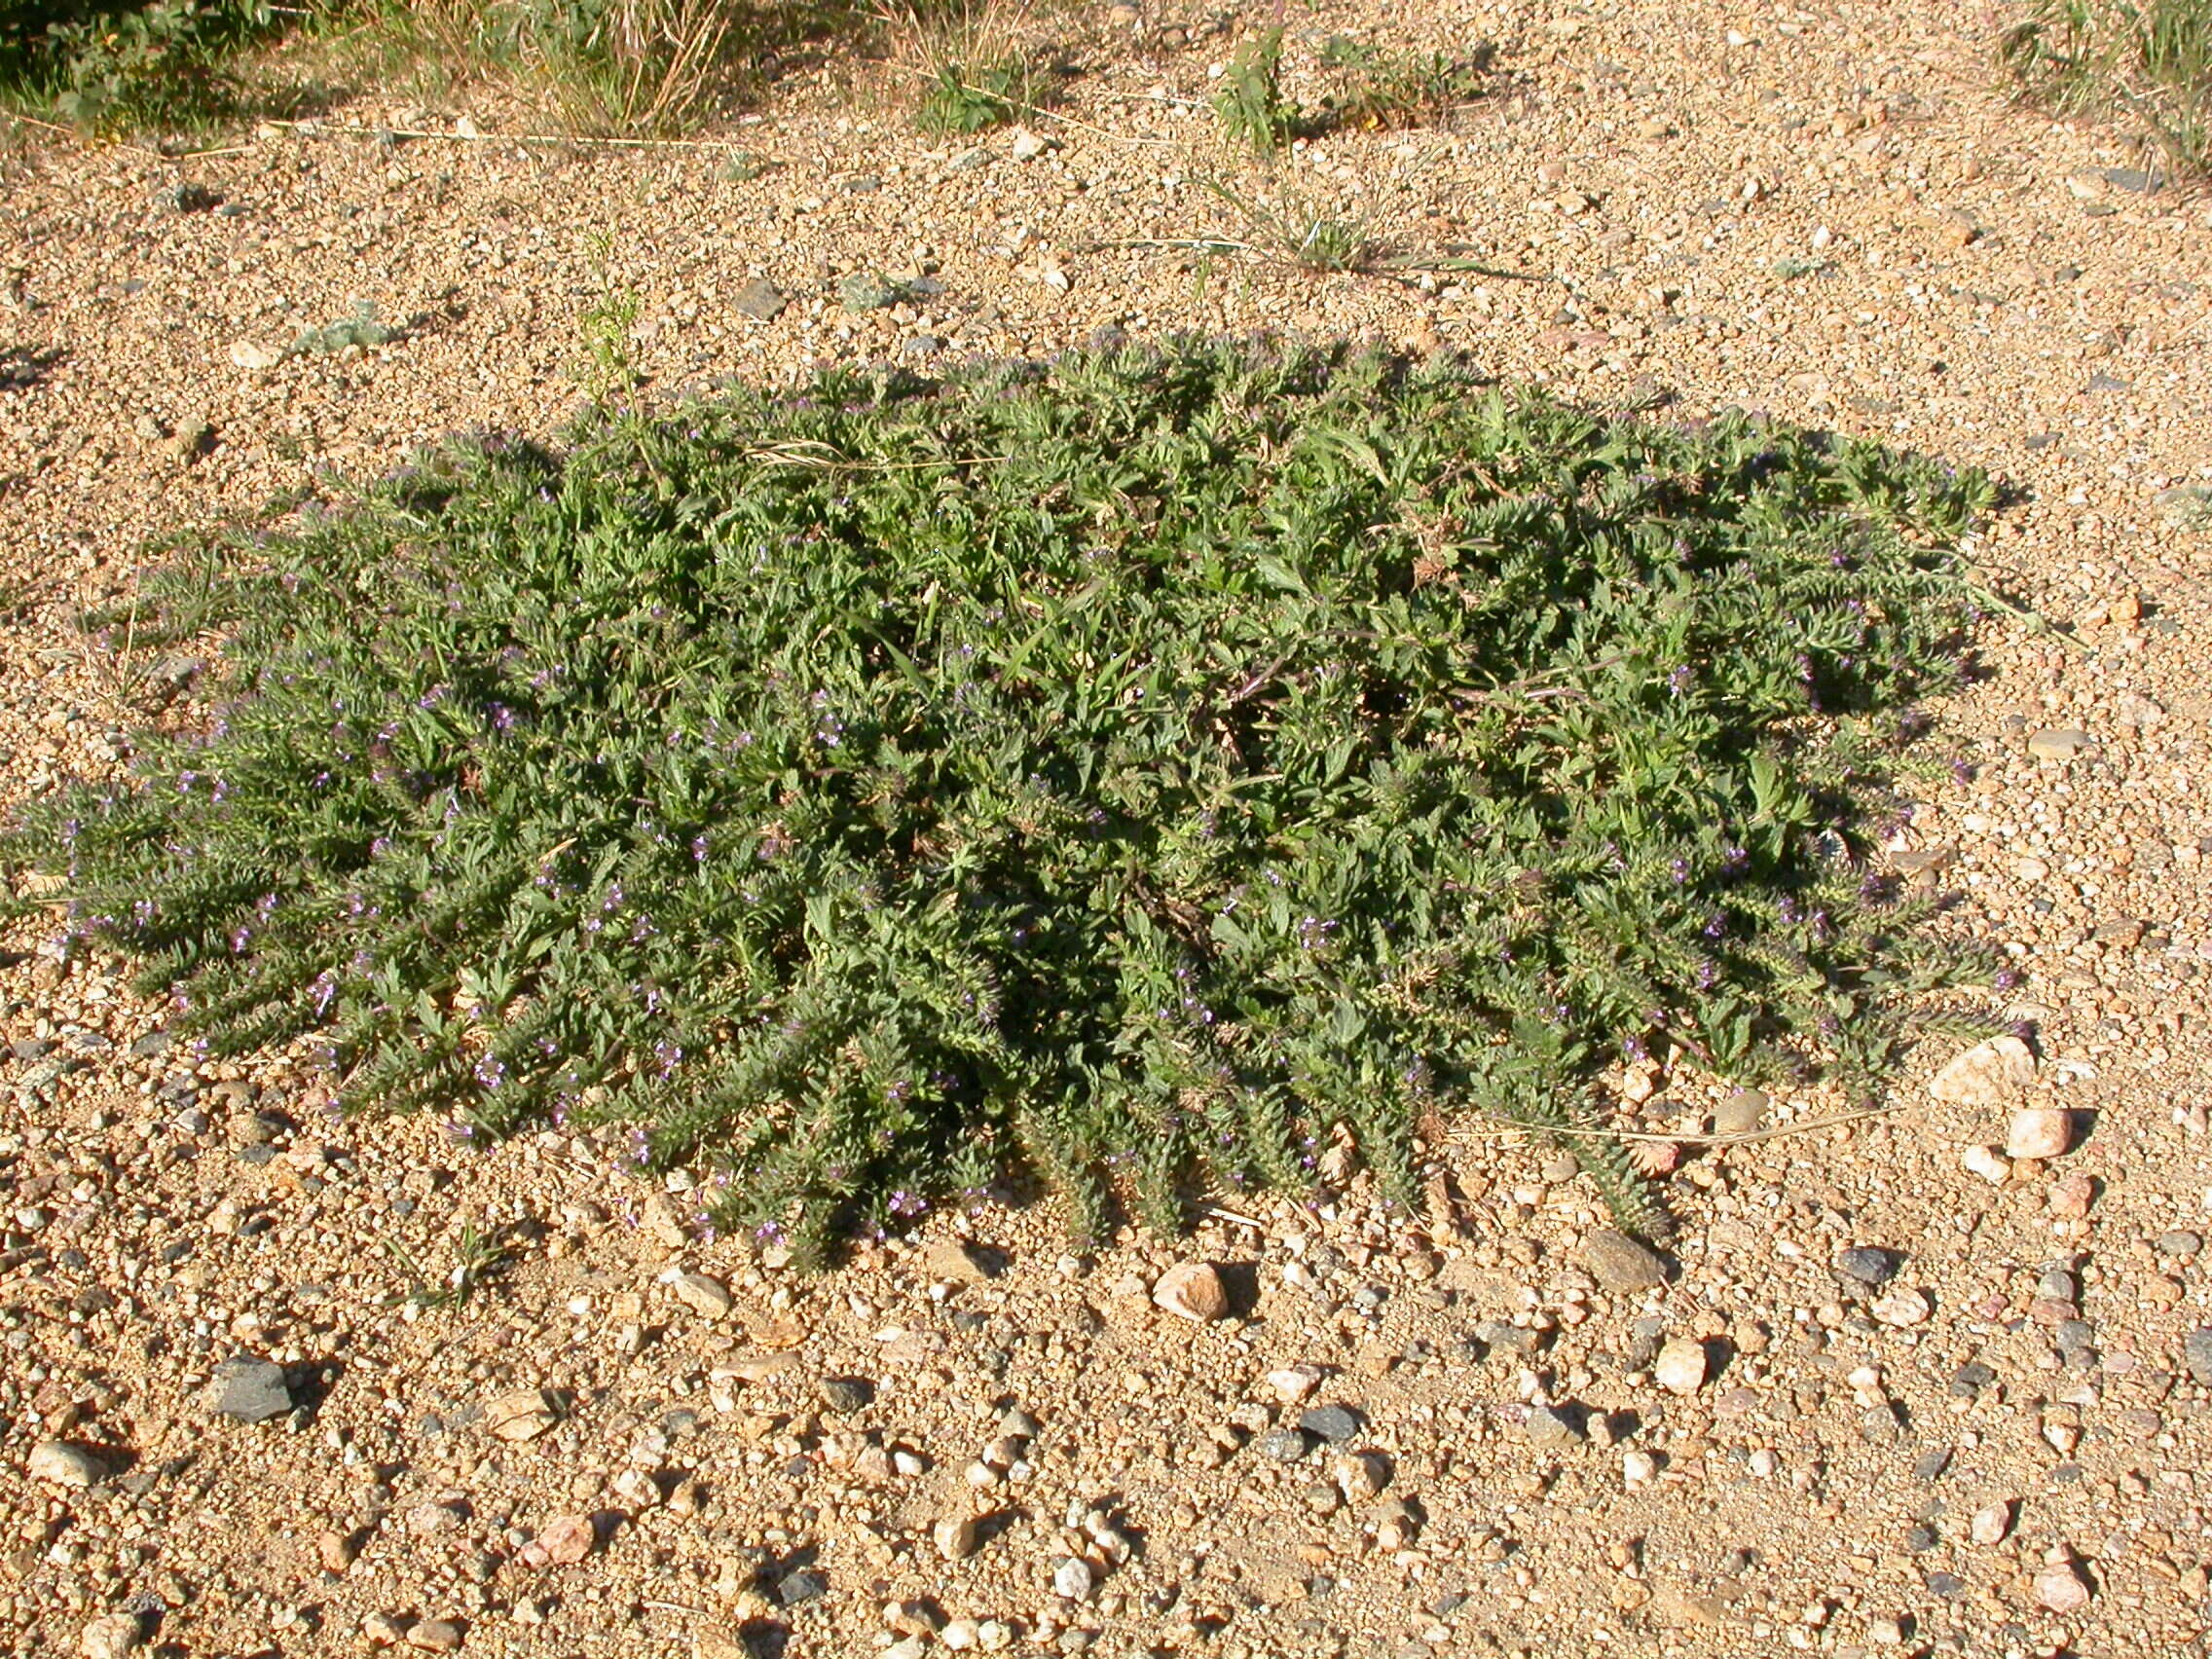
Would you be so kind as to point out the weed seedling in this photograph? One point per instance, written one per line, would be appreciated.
(1250, 104)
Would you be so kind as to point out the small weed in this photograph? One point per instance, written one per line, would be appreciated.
(1250, 102)
(1134, 770)
(2147, 62)
(361, 329)
(608, 329)
(477, 1260)
(1300, 233)
(1383, 87)
(743, 167)
(1791, 269)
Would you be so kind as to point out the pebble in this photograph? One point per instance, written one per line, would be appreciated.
(111, 1636)
(1284, 1446)
(1622, 1265)
(1901, 1309)
(1680, 1366)
(1027, 146)
(1547, 1425)
(2197, 1353)
(1294, 1384)
(2179, 1242)
(795, 1589)
(523, 1415)
(1638, 1469)
(2058, 744)
(1193, 1291)
(563, 1541)
(1072, 1579)
(65, 1465)
(846, 1394)
(1742, 1112)
(1361, 1475)
(2061, 1588)
(1334, 1424)
(957, 1537)
(2039, 1131)
(1988, 1074)
(1992, 1523)
(1988, 1162)
(1867, 1265)
(760, 300)
(435, 1636)
(709, 1297)
(249, 1389)
(382, 1630)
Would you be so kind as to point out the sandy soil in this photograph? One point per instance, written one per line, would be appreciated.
(1826, 212)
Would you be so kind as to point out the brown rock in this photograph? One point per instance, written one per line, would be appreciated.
(1193, 1291)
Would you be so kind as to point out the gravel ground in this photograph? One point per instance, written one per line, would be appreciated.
(237, 1417)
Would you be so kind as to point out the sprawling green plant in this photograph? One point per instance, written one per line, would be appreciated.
(1130, 768)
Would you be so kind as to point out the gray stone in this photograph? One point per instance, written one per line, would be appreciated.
(1742, 1112)
(2179, 1242)
(760, 300)
(2057, 1284)
(250, 1389)
(2197, 1353)
(1620, 1264)
(1866, 1265)
(1284, 1446)
(1334, 1424)
(921, 345)
(846, 1394)
(797, 1588)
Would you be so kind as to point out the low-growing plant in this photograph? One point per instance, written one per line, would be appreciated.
(359, 329)
(1134, 770)
(1381, 86)
(2147, 61)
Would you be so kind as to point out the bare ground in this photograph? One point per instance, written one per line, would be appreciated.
(1828, 213)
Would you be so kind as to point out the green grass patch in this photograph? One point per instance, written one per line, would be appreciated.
(2146, 63)
(1129, 769)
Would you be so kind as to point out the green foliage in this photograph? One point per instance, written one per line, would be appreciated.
(1250, 104)
(1127, 768)
(1389, 88)
(169, 63)
(971, 99)
(2147, 61)
(361, 329)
